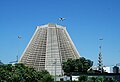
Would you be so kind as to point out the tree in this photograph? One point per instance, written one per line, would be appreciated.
(69, 66)
(100, 79)
(77, 65)
(47, 78)
(112, 80)
(80, 65)
(22, 73)
(83, 78)
(93, 79)
(83, 64)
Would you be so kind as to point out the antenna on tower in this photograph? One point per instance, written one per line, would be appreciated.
(100, 62)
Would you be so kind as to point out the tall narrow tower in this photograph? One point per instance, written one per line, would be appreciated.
(48, 48)
(100, 62)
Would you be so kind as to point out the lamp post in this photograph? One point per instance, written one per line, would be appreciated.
(16, 61)
(55, 69)
(19, 38)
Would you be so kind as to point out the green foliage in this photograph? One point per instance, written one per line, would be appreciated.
(112, 80)
(93, 79)
(100, 79)
(47, 78)
(22, 73)
(77, 65)
(69, 66)
(83, 78)
(68, 81)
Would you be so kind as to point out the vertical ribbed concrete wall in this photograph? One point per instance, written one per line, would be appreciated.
(48, 48)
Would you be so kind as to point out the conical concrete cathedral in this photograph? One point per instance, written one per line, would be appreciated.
(48, 48)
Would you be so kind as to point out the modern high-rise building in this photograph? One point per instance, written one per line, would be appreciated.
(48, 48)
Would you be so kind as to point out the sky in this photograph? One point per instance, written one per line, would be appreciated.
(86, 22)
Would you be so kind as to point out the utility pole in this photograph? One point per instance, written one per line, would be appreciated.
(55, 69)
(16, 61)
(19, 38)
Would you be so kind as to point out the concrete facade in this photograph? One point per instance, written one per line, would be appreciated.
(48, 48)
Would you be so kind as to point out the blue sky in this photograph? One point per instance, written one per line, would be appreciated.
(86, 21)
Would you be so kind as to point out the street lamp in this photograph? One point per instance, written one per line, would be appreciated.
(16, 61)
(19, 38)
(55, 69)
